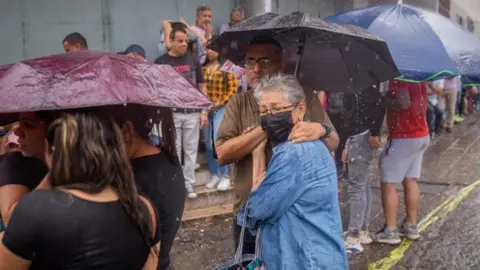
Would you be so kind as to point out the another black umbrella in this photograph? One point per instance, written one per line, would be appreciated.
(323, 55)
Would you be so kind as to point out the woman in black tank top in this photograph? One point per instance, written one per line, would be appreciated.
(92, 218)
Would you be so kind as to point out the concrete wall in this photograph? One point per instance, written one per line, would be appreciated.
(321, 8)
(466, 8)
(33, 28)
(341, 5)
(425, 4)
(458, 8)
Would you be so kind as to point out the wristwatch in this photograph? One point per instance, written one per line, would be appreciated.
(328, 130)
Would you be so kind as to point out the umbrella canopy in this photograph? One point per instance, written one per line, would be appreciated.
(90, 79)
(323, 55)
(424, 45)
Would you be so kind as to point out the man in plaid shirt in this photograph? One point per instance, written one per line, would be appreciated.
(221, 86)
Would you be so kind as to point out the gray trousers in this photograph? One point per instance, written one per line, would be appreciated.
(359, 156)
(187, 127)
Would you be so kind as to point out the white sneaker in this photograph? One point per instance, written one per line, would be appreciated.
(213, 182)
(352, 245)
(191, 192)
(365, 238)
(224, 184)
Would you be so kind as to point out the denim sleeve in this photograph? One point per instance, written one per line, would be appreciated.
(200, 52)
(282, 186)
(223, 28)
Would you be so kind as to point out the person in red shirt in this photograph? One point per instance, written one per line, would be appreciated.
(401, 159)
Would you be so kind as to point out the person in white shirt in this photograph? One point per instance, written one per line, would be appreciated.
(236, 16)
(203, 25)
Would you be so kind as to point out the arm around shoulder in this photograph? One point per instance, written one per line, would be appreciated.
(233, 144)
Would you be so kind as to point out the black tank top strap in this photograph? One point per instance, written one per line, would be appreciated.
(150, 211)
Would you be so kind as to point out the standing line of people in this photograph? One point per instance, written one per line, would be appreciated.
(92, 186)
(221, 87)
(158, 175)
(358, 119)
(271, 143)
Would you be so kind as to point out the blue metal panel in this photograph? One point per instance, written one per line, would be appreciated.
(11, 39)
(48, 21)
(288, 6)
(325, 8)
(321, 8)
(221, 10)
(139, 22)
(37, 28)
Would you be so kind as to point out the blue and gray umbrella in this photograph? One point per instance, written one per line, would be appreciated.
(424, 45)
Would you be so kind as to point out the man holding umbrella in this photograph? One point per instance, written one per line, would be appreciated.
(240, 133)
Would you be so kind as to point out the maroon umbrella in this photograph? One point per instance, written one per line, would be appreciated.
(91, 79)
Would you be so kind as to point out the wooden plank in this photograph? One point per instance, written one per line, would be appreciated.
(205, 214)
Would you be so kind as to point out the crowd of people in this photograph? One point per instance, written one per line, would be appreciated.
(106, 190)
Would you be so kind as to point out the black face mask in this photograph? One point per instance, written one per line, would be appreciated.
(278, 126)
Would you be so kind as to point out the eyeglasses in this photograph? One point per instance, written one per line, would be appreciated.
(263, 62)
(264, 111)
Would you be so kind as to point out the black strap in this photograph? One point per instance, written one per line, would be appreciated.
(213, 141)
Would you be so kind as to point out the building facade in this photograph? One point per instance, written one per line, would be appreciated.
(466, 13)
(34, 28)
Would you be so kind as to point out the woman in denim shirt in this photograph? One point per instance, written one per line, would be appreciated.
(294, 203)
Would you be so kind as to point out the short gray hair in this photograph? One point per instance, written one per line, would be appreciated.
(238, 10)
(288, 84)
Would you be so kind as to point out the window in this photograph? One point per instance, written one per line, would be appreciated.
(470, 24)
(460, 20)
(444, 8)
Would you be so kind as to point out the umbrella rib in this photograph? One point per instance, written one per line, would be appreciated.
(345, 62)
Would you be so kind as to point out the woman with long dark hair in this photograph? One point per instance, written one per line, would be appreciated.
(92, 218)
(157, 170)
(221, 86)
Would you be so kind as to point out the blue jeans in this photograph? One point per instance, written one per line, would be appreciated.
(156, 140)
(214, 120)
(360, 154)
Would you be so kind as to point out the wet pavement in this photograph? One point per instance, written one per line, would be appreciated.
(451, 236)
(451, 242)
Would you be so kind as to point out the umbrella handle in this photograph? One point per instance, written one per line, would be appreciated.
(300, 53)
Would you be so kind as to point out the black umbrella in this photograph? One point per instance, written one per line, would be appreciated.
(323, 55)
